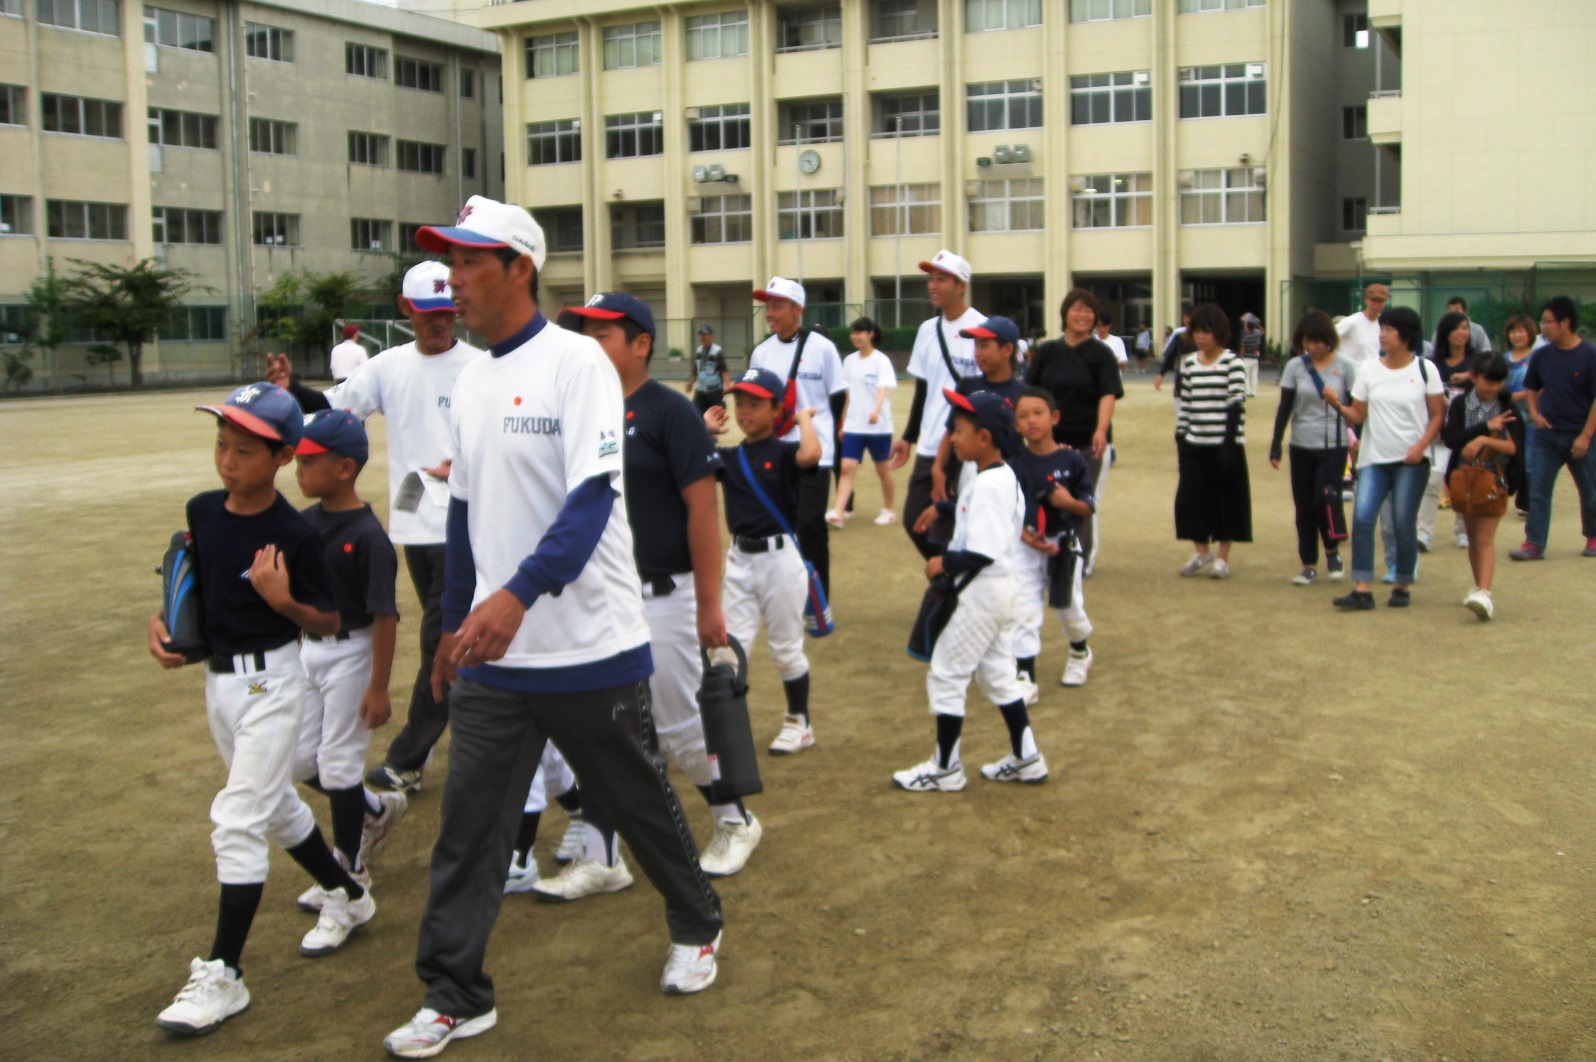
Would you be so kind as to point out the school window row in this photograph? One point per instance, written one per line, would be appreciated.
(183, 324)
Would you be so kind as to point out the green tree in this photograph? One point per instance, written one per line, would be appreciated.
(301, 309)
(128, 304)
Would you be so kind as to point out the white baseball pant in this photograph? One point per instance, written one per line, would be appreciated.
(332, 739)
(553, 777)
(678, 672)
(1031, 583)
(978, 641)
(254, 718)
(771, 586)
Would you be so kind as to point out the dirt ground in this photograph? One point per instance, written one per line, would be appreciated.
(1272, 831)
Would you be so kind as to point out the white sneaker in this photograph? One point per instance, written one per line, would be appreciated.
(796, 735)
(1033, 693)
(574, 843)
(1076, 668)
(429, 1032)
(314, 897)
(376, 829)
(690, 968)
(1220, 570)
(930, 777)
(1479, 603)
(213, 994)
(887, 517)
(1306, 577)
(1462, 540)
(340, 916)
(733, 843)
(583, 877)
(1031, 770)
(836, 519)
(523, 873)
(1198, 562)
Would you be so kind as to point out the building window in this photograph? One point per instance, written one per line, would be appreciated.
(720, 36)
(1222, 197)
(416, 157)
(1354, 214)
(268, 42)
(69, 220)
(1222, 91)
(553, 55)
(368, 149)
(276, 230)
(723, 128)
(11, 7)
(1355, 122)
(630, 136)
(911, 114)
(551, 142)
(370, 234)
(804, 29)
(1103, 99)
(178, 225)
(80, 116)
(90, 16)
(407, 236)
(631, 45)
(1014, 205)
(418, 74)
(468, 163)
(179, 29)
(193, 324)
(809, 122)
(16, 215)
(1194, 7)
(1109, 10)
(902, 20)
(270, 137)
(1114, 201)
(182, 129)
(562, 227)
(905, 209)
(724, 219)
(1355, 31)
(997, 105)
(637, 226)
(810, 215)
(13, 105)
(362, 60)
(981, 16)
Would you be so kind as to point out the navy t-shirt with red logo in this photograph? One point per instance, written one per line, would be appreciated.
(362, 562)
(1039, 474)
(775, 465)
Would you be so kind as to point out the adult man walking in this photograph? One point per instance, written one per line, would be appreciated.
(1360, 332)
(347, 358)
(1561, 386)
(707, 385)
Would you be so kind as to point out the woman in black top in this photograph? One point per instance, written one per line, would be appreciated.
(1081, 372)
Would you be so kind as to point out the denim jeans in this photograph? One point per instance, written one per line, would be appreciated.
(1405, 484)
(1549, 450)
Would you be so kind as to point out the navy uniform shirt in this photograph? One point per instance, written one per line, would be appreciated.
(666, 450)
(362, 563)
(775, 466)
(1038, 475)
(237, 619)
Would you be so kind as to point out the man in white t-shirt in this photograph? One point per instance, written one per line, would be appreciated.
(1360, 332)
(940, 358)
(544, 633)
(1104, 330)
(347, 357)
(819, 384)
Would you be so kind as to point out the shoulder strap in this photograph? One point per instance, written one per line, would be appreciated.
(764, 499)
(947, 359)
(797, 355)
(1424, 372)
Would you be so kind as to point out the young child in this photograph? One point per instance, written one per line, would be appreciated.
(979, 638)
(348, 672)
(1057, 485)
(866, 419)
(764, 573)
(996, 340)
(261, 579)
(1482, 424)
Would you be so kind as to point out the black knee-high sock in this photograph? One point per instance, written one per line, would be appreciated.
(348, 816)
(235, 912)
(949, 727)
(528, 833)
(1079, 647)
(571, 800)
(1019, 721)
(313, 854)
(797, 691)
(1027, 667)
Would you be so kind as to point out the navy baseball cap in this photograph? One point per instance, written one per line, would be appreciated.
(705, 330)
(761, 383)
(335, 431)
(263, 409)
(614, 306)
(991, 411)
(999, 328)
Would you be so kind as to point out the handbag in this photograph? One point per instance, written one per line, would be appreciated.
(941, 597)
(817, 610)
(1478, 489)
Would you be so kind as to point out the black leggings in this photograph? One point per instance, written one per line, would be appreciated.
(1309, 468)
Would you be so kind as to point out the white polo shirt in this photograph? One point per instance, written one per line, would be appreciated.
(819, 377)
(926, 363)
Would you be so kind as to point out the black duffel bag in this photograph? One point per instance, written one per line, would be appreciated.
(936, 607)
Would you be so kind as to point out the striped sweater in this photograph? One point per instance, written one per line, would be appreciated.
(1207, 393)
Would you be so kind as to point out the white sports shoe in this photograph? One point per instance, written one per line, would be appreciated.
(796, 735)
(1462, 540)
(574, 843)
(690, 968)
(314, 897)
(523, 873)
(886, 517)
(1479, 603)
(583, 877)
(340, 916)
(1198, 562)
(1220, 570)
(1030, 770)
(836, 519)
(1033, 692)
(429, 1032)
(1076, 668)
(374, 832)
(930, 777)
(213, 994)
(733, 843)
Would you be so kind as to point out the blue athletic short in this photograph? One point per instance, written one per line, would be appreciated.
(854, 446)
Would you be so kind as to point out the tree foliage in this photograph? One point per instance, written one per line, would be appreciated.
(300, 309)
(128, 304)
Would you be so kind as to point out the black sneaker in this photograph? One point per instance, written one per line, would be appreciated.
(1357, 601)
(1332, 565)
(1400, 598)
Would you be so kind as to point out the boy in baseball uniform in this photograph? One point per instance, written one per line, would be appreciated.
(978, 640)
(261, 579)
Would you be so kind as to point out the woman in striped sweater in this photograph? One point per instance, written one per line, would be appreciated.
(1213, 502)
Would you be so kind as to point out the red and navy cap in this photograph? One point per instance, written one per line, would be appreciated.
(265, 410)
(761, 383)
(615, 306)
(999, 328)
(991, 411)
(335, 431)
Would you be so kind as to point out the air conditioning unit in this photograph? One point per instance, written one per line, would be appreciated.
(694, 114)
(1002, 154)
(700, 174)
(695, 204)
(1077, 185)
(1036, 84)
(1140, 77)
(1186, 178)
(716, 173)
(972, 189)
(1260, 176)
(1022, 153)
(730, 178)
(984, 160)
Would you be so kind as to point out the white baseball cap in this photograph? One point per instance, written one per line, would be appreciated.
(426, 288)
(485, 222)
(945, 261)
(781, 288)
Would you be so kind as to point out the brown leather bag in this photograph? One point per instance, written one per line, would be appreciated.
(1478, 488)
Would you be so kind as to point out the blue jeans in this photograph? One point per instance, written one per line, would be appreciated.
(1548, 451)
(1405, 484)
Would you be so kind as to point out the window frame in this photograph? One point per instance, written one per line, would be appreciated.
(1089, 90)
(895, 207)
(631, 127)
(881, 127)
(104, 12)
(1007, 20)
(276, 40)
(1007, 99)
(1084, 11)
(802, 21)
(184, 220)
(281, 138)
(213, 325)
(717, 24)
(1350, 208)
(380, 228)
(429, 159)
(637, 38)
(114, 218)
(643, 233)
(1121, 204)
(362, 143)
(804, 205)
(19, 220)
(14, 106)
(278, 220)
(885, 14)
(558, 132)
(833, 122)
(733, 117)
(984, 206)
(164, 28)
(730, 216)
(557, 46)
(204, 126)
(1222, 78)
(104, 113)
(372, 61)
(1214, 7)
(1355, 122)
(1227, 195)
(559, 224)
(427, 75)
(1355, 30)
